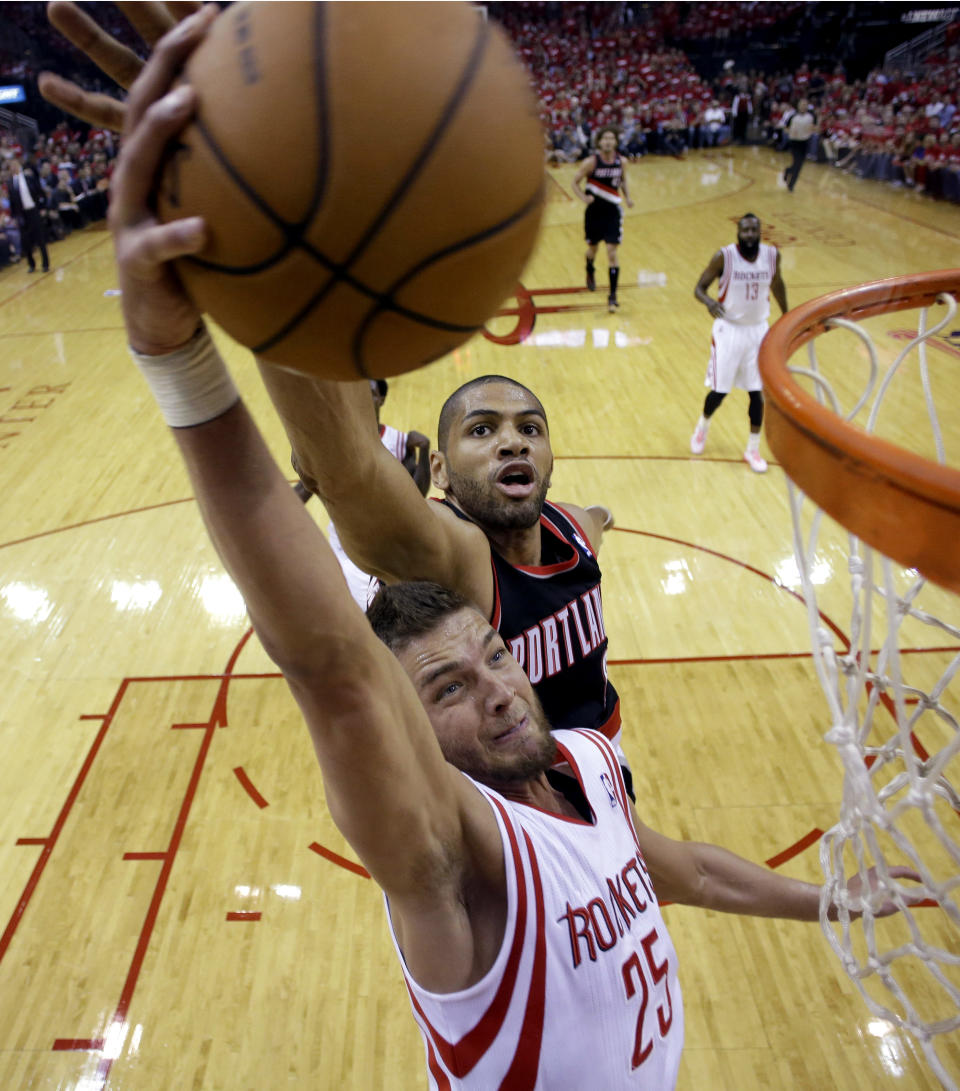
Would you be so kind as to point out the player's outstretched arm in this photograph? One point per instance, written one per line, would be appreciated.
(594, 519)
(121, 64)
(711, 877)
(408, 814)
(385, 525)
(712, 272)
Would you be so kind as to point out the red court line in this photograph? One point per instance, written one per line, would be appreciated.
(91, 522)
(143, 942)
(50, 843)
(243, 916)
(796, 848)
(78, 1043)
(335, 858)
(249, 788)
(144, 855)
(92, 716)
(31, 840)
(188, 727)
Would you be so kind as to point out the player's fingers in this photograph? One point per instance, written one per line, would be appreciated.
(153, 246)
(167, 60)
(100, 110)
(150, 20)
(142, 149)
(118, 62)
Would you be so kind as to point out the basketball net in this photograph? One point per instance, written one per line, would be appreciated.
(894, 724)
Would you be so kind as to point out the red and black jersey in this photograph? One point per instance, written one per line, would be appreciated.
(551, 618)
(605, 179)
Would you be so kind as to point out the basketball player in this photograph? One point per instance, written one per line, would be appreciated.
(748, 272)
(523, 907)
(529, 566)
(606, 179)
(412, 450)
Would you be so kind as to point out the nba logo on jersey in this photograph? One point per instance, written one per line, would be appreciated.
(611, 795)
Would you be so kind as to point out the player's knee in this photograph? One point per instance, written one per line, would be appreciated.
(712, 402)
(755, 412)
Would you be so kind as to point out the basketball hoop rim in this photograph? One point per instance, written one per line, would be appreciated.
(902, 504)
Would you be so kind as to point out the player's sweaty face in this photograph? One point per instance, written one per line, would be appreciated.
(499, 458)
(481, 705)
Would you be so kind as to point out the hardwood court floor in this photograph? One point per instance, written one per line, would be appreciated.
(176, 908)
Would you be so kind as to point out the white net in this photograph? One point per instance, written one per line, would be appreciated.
(893, 714)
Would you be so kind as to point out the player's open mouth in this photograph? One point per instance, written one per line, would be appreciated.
(516, 479)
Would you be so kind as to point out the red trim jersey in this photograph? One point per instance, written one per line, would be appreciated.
(584, 990)
(745, 285)
(606, 179)
(551, 618)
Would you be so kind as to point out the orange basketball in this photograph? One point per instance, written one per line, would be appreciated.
(371, 175)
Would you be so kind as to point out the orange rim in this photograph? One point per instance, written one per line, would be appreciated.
(900, 503)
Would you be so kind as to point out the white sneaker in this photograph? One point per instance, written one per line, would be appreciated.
(755, 461)
(698, 440)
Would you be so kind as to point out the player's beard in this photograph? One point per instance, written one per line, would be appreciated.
(516, 768)
(749, 250)
(492, 511)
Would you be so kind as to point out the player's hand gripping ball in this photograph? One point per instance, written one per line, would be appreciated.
(371, 176)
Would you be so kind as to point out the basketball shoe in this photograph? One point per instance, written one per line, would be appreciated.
(591, 279)
(698, 440)
(612, 304)
(755, 461)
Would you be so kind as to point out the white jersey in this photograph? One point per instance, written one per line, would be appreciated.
(362, 585)
(745, 285)
(584, 990)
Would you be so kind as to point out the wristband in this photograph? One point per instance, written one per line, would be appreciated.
(191, 385)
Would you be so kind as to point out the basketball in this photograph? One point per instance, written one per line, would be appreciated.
(371, 176)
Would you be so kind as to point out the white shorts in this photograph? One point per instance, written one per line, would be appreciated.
(362, 586)
(733, 356)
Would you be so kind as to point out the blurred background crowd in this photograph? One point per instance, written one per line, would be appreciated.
(881, 78)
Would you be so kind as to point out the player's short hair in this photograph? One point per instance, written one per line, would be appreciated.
(400, 612)
(608, 129)
(453, 403)
(748, 216)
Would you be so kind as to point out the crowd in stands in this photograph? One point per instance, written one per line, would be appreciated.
(74, 171)
(592, 65)
(592, 68)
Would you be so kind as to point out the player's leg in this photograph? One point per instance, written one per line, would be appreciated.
(593, 241)
(754, 459)
(748, 377)
(613, 241)
(719, 379)
(614, 269)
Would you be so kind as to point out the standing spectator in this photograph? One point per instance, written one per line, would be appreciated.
(29, 208)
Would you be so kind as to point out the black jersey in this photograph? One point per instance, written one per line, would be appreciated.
(606, 179)
(551, 618)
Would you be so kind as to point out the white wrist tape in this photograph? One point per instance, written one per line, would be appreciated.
(191, 385)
